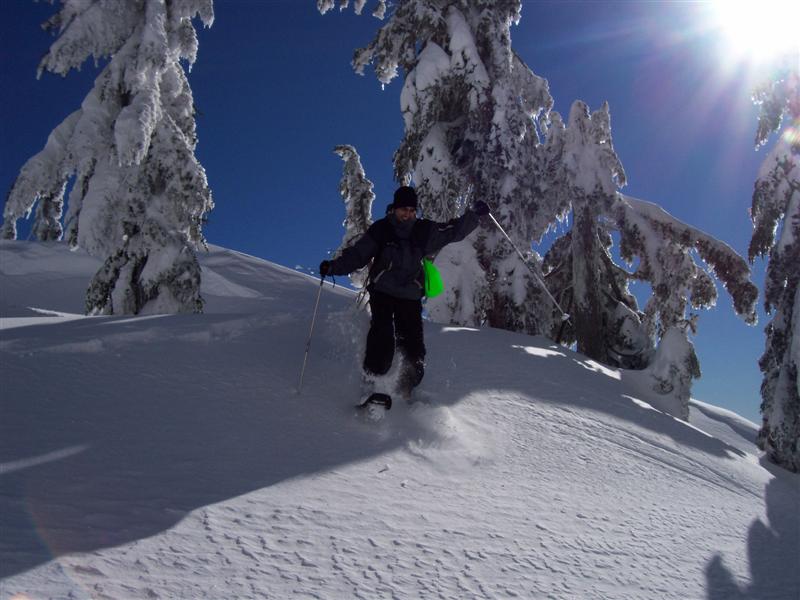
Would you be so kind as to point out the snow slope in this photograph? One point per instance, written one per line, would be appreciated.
(171, 457)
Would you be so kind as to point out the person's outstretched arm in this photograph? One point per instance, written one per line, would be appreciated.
(455, 230)
(352, 258)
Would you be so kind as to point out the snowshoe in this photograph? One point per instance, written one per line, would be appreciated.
(376, 399)
(374, 406)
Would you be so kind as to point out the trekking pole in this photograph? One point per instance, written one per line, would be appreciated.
(310, 333)
(564, 316)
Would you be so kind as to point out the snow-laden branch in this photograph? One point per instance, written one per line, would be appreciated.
(642, 219)
(43, 176)
(358, 6)
(777, 96)
(99, 29)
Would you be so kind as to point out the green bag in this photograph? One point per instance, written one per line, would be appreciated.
(433, 280)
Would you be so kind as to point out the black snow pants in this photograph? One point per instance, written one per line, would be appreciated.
(395, 322)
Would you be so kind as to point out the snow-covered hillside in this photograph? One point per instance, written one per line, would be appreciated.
(172, 457)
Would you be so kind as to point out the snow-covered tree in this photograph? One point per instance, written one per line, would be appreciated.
(666, 249)
(140, 196)
(581, 173)
(356, 191)
(776, 218)
(471, 109)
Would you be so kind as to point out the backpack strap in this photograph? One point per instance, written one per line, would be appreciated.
(383, 233)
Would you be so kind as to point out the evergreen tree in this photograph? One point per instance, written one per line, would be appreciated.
(356, 191)
(581, 172)
(140, 195)
(470, 107)
(776, 219)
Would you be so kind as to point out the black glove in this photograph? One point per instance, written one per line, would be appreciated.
(325, 267)
(480, 208)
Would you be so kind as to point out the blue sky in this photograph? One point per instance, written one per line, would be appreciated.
(276, 93)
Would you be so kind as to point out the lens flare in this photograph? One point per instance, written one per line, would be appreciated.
(757, 31)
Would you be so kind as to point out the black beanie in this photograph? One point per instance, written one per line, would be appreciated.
(405, 196)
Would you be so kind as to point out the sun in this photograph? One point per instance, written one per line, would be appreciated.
(756, 31)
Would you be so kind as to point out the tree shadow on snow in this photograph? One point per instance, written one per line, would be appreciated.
(773, 549)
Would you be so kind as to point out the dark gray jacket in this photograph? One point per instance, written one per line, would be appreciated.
(398, 248)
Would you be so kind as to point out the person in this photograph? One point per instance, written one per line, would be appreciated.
(396, 245)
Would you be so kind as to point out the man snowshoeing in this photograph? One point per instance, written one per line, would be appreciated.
(396, 245)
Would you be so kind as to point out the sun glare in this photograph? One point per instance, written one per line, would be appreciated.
(757, 31)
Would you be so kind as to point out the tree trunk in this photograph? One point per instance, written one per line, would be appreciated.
(586, 314)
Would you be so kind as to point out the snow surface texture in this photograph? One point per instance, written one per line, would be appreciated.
(171, 457)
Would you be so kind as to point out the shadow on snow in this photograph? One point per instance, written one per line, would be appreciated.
(128, 445)
(771, 548)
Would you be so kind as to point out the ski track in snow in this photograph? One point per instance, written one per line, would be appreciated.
(174, 459)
